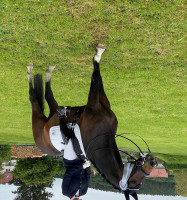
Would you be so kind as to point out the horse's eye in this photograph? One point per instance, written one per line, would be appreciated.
(133, 181)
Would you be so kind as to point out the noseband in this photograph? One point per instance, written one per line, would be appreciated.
(143, 172)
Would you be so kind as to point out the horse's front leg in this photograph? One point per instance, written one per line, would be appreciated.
(97, 94)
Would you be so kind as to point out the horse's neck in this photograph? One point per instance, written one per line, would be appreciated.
(116, 169)
(109, 164)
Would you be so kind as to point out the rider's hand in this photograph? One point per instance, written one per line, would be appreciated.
(86, 164)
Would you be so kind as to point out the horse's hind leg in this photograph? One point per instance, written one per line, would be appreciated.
(97, 94)
(38, 118)
(35, 94)
(53, 106)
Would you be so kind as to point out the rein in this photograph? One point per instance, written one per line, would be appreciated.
(121, 135)
(129, 167)
(142, 155)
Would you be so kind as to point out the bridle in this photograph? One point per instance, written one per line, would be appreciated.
(129, 169)
(132, 166)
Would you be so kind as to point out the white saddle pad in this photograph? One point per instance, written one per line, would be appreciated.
(56, 137)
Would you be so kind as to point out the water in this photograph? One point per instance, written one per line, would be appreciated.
(92, 194)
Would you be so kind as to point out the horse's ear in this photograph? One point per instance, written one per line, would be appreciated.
(126, 195)
(134, 195)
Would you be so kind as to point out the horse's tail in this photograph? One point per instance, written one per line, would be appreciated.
(38, 90)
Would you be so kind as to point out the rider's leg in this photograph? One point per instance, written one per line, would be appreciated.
(97, 94)
(53, 106)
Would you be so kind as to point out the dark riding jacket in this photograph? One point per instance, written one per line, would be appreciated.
(75, 178)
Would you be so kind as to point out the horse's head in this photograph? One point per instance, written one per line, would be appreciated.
(142, 168)
(135, 173)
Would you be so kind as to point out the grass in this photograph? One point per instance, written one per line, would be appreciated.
(143, 68)
(173, 162)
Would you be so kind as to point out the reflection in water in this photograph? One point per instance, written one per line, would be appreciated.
(34, 191)
(95, 194)
(41, 178)
(34, 171)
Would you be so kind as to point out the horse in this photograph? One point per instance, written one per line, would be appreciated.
(98, 126)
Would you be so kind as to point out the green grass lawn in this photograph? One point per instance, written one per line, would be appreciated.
(143, 68)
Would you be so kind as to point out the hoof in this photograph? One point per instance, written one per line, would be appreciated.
(50, 69)
(99, 51)
(30, 67)
(101, 46)
(29, 72)
(48, 73)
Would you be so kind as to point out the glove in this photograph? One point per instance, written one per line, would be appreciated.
(86, 164)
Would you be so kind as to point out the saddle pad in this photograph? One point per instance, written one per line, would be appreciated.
(56, 138)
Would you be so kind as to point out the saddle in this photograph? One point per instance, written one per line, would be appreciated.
(67, 129)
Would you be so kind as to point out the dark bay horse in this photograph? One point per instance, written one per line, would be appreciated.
(98, 125)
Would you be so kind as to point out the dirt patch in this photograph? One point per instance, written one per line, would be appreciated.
(26, 152)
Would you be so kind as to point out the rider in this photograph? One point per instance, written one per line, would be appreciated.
(77, 175)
